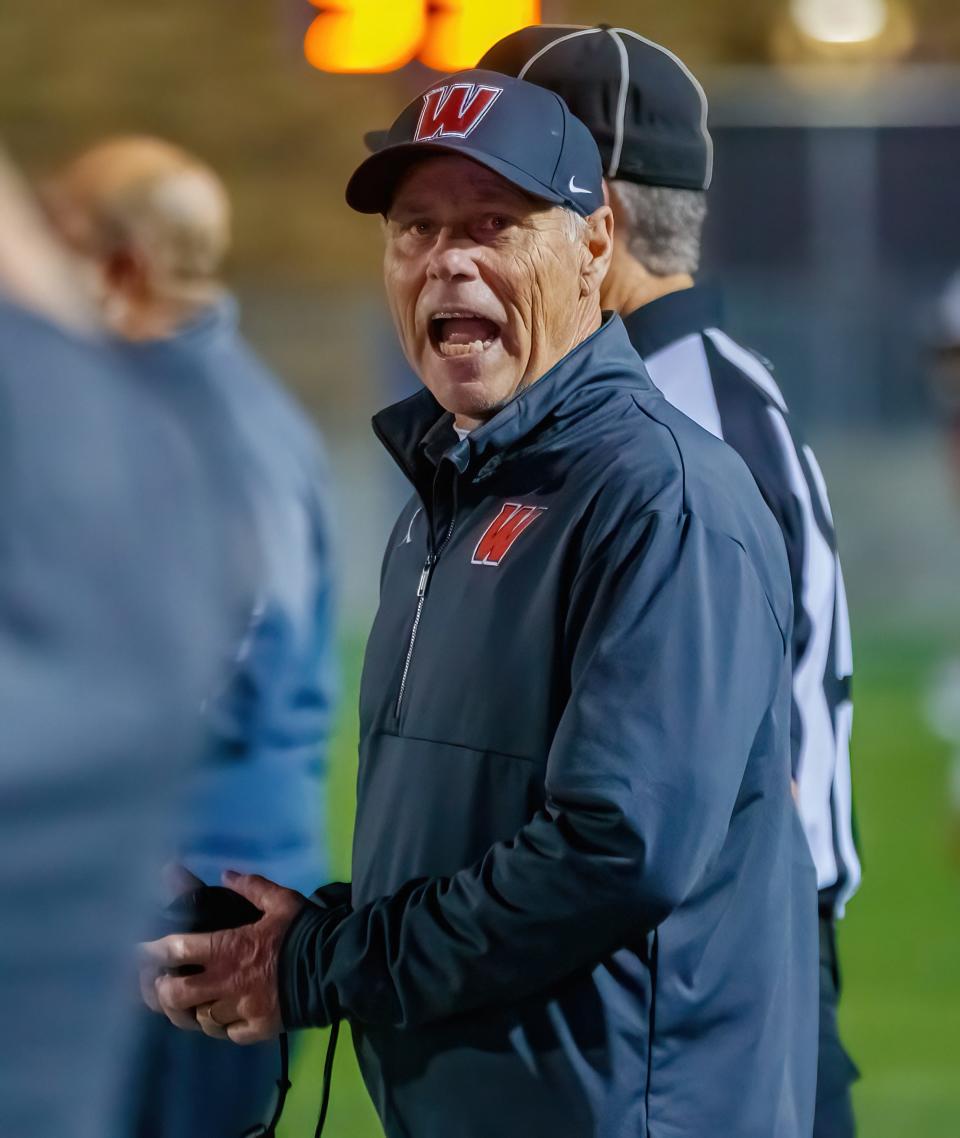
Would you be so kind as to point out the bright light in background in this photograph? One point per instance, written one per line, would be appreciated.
(365, 35)
(840, 21)
(370, 36)
(460, 31)
(849, 33)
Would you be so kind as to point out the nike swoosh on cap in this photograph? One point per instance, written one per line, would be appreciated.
(575, 189)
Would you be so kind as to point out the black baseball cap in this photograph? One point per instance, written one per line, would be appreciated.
(643, 105)
(523, 132)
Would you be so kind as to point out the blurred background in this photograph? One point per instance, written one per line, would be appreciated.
(835, 227)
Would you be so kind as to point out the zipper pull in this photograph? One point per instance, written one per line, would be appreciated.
(425, 577)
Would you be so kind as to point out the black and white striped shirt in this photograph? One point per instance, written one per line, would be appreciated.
(730, 392)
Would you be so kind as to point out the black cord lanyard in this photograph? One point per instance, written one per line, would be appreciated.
(269, 1129)
(327, 1078)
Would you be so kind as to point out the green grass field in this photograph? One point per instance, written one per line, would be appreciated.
(900, 942)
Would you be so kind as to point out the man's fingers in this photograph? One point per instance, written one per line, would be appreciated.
(186, 1021)
(148, 989)
(269, 898)
(255, 888)
(245, 1033)
(178, 1002)
(214, 1020)
(183, 992)
(165, 992)
(176, 950)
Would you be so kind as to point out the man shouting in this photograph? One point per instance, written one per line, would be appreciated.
(582, 902)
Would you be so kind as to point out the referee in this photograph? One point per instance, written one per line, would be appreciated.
(648, 115)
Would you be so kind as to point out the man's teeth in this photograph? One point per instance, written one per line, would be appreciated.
(464, 349)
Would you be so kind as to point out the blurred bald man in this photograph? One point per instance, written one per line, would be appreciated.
(152, 225)
(118, 610)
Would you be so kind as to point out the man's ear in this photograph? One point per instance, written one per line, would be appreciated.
(598, 249)
(614, 200)
(126, 272)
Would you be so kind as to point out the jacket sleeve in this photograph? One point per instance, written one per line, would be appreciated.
(675, 656)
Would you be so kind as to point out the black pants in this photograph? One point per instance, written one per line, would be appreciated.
(836, 1071)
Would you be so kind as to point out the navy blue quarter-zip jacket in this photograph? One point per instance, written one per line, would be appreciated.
(582, 902)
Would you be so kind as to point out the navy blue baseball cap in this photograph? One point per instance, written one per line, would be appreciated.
(522, 132)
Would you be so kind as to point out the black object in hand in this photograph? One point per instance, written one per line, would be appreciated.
(208, 909)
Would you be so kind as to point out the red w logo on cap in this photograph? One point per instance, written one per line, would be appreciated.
(454, 111)
(503, 531)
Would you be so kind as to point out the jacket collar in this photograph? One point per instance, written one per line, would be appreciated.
(217, 320)
(669, 318)
(215, 324)
(418, 432)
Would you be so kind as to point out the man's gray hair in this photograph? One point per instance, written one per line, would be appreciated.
(575, 225)
(664, 225)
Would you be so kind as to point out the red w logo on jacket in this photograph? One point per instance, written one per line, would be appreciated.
(503, 531)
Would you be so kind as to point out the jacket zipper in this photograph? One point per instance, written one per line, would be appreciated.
(421, 598)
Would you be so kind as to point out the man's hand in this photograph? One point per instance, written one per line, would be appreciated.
(235, 995)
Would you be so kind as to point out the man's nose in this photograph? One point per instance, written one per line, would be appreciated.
(453, 258)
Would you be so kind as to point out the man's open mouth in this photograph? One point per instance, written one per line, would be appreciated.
(459, 332)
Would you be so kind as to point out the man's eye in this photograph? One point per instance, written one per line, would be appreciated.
(421, 228)
(498, 221)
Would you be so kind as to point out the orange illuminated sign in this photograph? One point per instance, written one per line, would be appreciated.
(368, 36)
